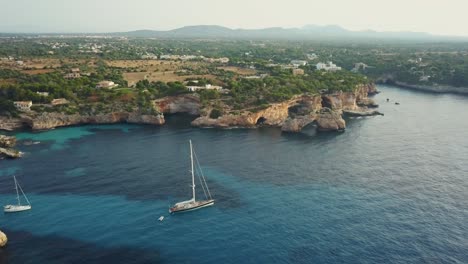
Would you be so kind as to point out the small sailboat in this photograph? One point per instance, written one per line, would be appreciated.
(161, 218)
(194, 204)
(17, 208)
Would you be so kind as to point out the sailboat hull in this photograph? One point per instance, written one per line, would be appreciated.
(191, 206)
(16, 208)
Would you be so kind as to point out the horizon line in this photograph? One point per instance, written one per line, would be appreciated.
(226, 27)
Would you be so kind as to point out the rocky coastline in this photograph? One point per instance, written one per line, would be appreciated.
(390, 80)
(324, 110)
(45, 121)
(433, 89)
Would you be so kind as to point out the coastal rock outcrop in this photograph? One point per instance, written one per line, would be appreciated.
(10, 123)
(45, 121)
(274, 115)
(325, 111)
(186, 103)
(7, 142)
(329, 120)
(6, 147)
(362, 113)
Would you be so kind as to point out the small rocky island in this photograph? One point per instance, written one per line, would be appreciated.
(6, 147)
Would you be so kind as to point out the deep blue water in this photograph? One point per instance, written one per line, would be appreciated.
(391, 189)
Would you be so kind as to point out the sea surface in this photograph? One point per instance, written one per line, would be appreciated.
(391, 189)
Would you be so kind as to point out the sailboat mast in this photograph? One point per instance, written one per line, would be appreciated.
(17, 193)
(193, 174)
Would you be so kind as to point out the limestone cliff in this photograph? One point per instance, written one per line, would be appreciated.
(10, 124)
(186, 103)
(324, 110)
(274, 115)
(51, 120)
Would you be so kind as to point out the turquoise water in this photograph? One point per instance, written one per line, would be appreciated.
(391, 189)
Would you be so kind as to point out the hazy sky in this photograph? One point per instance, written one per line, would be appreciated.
(448, 17)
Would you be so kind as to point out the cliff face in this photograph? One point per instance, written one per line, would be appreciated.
(351, 100)
(274, 115)
(51, 120)
(292, 116)
(10, 124)
(186, 103)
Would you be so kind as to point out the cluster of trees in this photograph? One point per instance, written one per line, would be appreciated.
(160, 89)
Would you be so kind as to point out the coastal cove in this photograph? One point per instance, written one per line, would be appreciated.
(390, 189)
(324, 110)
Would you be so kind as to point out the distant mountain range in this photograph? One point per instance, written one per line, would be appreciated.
(309, 32)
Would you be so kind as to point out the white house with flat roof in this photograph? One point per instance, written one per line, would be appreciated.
(106, 85)
(206, 87)
(297, 63)
(330, 66)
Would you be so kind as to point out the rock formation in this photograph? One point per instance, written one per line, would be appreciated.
(324, 110)
(10, 124)
(6, 147)
(186, 103)
(329, 120)
(45, 121)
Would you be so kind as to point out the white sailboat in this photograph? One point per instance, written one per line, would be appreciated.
(17, 208)
(194, 204)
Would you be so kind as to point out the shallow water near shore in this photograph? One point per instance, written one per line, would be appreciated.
(391, 189)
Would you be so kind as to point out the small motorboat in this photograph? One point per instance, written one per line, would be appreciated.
(397, 103)
(161, 218)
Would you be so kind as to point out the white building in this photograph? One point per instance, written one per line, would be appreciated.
(106, 85)
(217, 60)
(206, 87)
(72, 75)
(297, 63)
(330, 66)
(23, 105)
(43, 93)
(312, 56)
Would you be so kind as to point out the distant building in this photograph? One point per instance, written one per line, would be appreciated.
(106, 85)
(358, 66)
(149, 56)
(252, 77)
(424, 78)
(23, 105)
(20, 63)
(206, 87)
(72, 75)
(59, 101)
(312, 56)
(43, 93)
(298, 63)
(330, 66)
(218, 60)
(298, 72)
